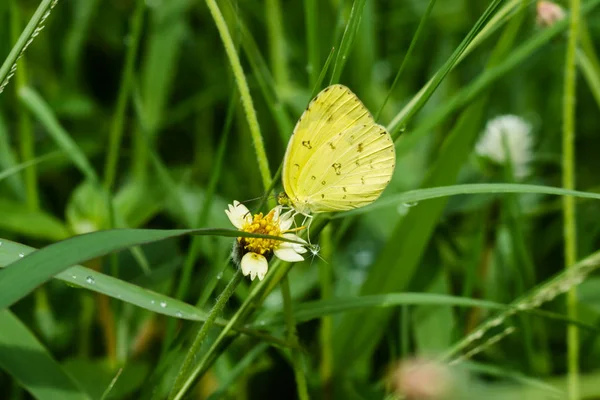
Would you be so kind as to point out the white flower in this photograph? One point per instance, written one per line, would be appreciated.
(255, 252)
(548, 13)
(507, 132)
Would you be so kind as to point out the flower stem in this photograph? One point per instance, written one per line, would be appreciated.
(292, 338)
(203, 332)
(240, 78)
(568, 178)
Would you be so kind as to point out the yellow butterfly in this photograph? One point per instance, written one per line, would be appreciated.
(338, 158)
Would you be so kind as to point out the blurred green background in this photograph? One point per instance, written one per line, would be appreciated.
(138, 98)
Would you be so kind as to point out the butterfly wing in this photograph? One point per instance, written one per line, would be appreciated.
(338, 158)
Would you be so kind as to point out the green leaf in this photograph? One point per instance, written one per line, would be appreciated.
(30, 363)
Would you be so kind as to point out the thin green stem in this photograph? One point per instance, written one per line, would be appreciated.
(312, 40)
(116, 131)
(326, 332)
(180, 381)
(26, 142)
(240, 78)
(568, 180)
(408, 55)
(293, 338)
(277, 44)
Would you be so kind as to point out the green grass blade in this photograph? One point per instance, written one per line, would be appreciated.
(397, 125)
(33, 29)
(32, 100)
(347, 40)
(44, 379)
(409, 52)
(513, 60)
(415, 196)
(24, 275)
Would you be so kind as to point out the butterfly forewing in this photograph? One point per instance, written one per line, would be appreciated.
(338, 157)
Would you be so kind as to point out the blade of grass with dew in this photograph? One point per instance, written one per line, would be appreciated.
(358, 333)
(33, 29)
(418, 195)
(407, 56)
(262, 74)
(242, 84)
(347, 40)
(44, 379)
(19, 218)
(86, 278)
(24, 275)
(481, 83)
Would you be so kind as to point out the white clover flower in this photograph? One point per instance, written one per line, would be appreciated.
(255, 252)
(507, 132)
(548, 13)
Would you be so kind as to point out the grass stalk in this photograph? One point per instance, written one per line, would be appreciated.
(240, 78)
(181, 382)
(312, 40)
(326, 331)
(26, 139)
(568, 181)
(118, 121)
(277, 43)
(293, 338)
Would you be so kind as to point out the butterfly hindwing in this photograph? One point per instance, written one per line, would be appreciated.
(338, 158)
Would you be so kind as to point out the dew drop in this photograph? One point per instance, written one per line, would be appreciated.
(219, 275)
(0, 243)
(178, 314)
(21, 255)
(152, 302)
(90, 280)
(163, 304)
(410, 204)
(74, 276)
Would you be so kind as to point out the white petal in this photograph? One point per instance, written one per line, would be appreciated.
(298, 248)
(254, 265)
(286, 220)
(287, 254)
(238, 214)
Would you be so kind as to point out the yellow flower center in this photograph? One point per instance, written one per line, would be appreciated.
(263, 225)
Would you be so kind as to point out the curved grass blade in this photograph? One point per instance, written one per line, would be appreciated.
(31, 364)
(85, 278)
(317, 309)
(24, 275)
(414, 196)
(33, 28)
(18, 218)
